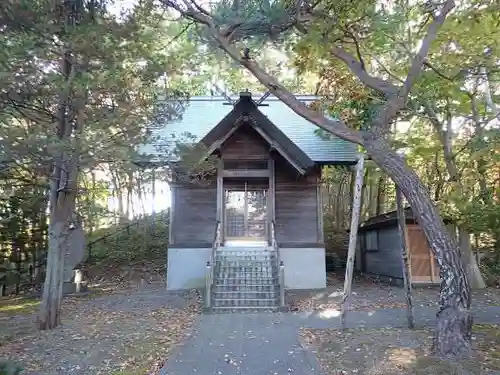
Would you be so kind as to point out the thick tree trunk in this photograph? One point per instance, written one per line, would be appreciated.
(454, 321)
(50, 311)
(444, 130)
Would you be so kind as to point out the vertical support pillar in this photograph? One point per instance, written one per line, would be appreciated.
(245, 217)
(272, 193)
(171, 223)
(319, 202)
(208, 286)
(220, 196)
(404, 257)
(353, 234)
(153, 192)
(282, 284)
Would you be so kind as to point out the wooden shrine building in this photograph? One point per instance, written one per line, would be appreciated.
(266, 175)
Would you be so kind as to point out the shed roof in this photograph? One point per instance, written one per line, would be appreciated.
(203, 113)
(390, 219)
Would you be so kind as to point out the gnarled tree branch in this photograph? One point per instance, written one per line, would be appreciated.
(396, 95)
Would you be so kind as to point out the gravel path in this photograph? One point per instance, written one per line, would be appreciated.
(369, 294)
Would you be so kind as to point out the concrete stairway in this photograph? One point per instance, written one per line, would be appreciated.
(246, 278)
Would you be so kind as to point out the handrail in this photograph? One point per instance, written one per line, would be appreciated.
(276, 249)
(209, 276)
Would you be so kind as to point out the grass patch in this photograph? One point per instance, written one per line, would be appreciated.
(18, 305)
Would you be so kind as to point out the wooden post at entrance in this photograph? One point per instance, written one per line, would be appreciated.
(404, 257)
(153, 193)
(353, 234)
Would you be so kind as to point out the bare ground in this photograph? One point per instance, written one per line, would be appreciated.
(128, 327)
(370, 294)
(398, 352)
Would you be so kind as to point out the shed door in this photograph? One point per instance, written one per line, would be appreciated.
(423, 265)
(246, 214)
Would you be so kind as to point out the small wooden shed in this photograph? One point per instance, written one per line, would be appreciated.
(379, 250)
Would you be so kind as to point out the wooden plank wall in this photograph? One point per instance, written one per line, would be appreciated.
(386, 260)
(423, 264)
(296, 209)
(195, 215)
(296, 198)
(245, 144)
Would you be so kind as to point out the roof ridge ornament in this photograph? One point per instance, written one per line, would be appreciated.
(224, 94)
(263, 97)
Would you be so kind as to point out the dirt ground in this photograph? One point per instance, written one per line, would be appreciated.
(124, 328)
(398, 352)
(371, 294)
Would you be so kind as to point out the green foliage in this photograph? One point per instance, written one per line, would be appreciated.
(143, 240)
(9, 368)
(120, 66)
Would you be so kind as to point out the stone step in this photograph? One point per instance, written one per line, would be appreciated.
(244, 271)
(244, 252)
(245, 302)
(247, 256)
(243, 309)
(255, 278)
(245, 259)
(245, 262)
(244, 295)
(248, 269)
(246, 288)
(250, 281)
(263, 247)
(238, 274)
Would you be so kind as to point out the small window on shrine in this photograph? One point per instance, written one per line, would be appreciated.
(245, 164)
(371, 240)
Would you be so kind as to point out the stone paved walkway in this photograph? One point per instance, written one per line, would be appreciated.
(243, 344)
(262, 344)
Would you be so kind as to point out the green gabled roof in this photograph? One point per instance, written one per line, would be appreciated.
(202, 114)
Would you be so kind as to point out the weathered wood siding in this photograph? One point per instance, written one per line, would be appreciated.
(296, 198)
(194, 215)
(386, 259)
(296, 209)
(245, 144)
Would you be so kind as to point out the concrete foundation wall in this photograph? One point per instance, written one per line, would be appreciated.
(304, 268)
(186, 268)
